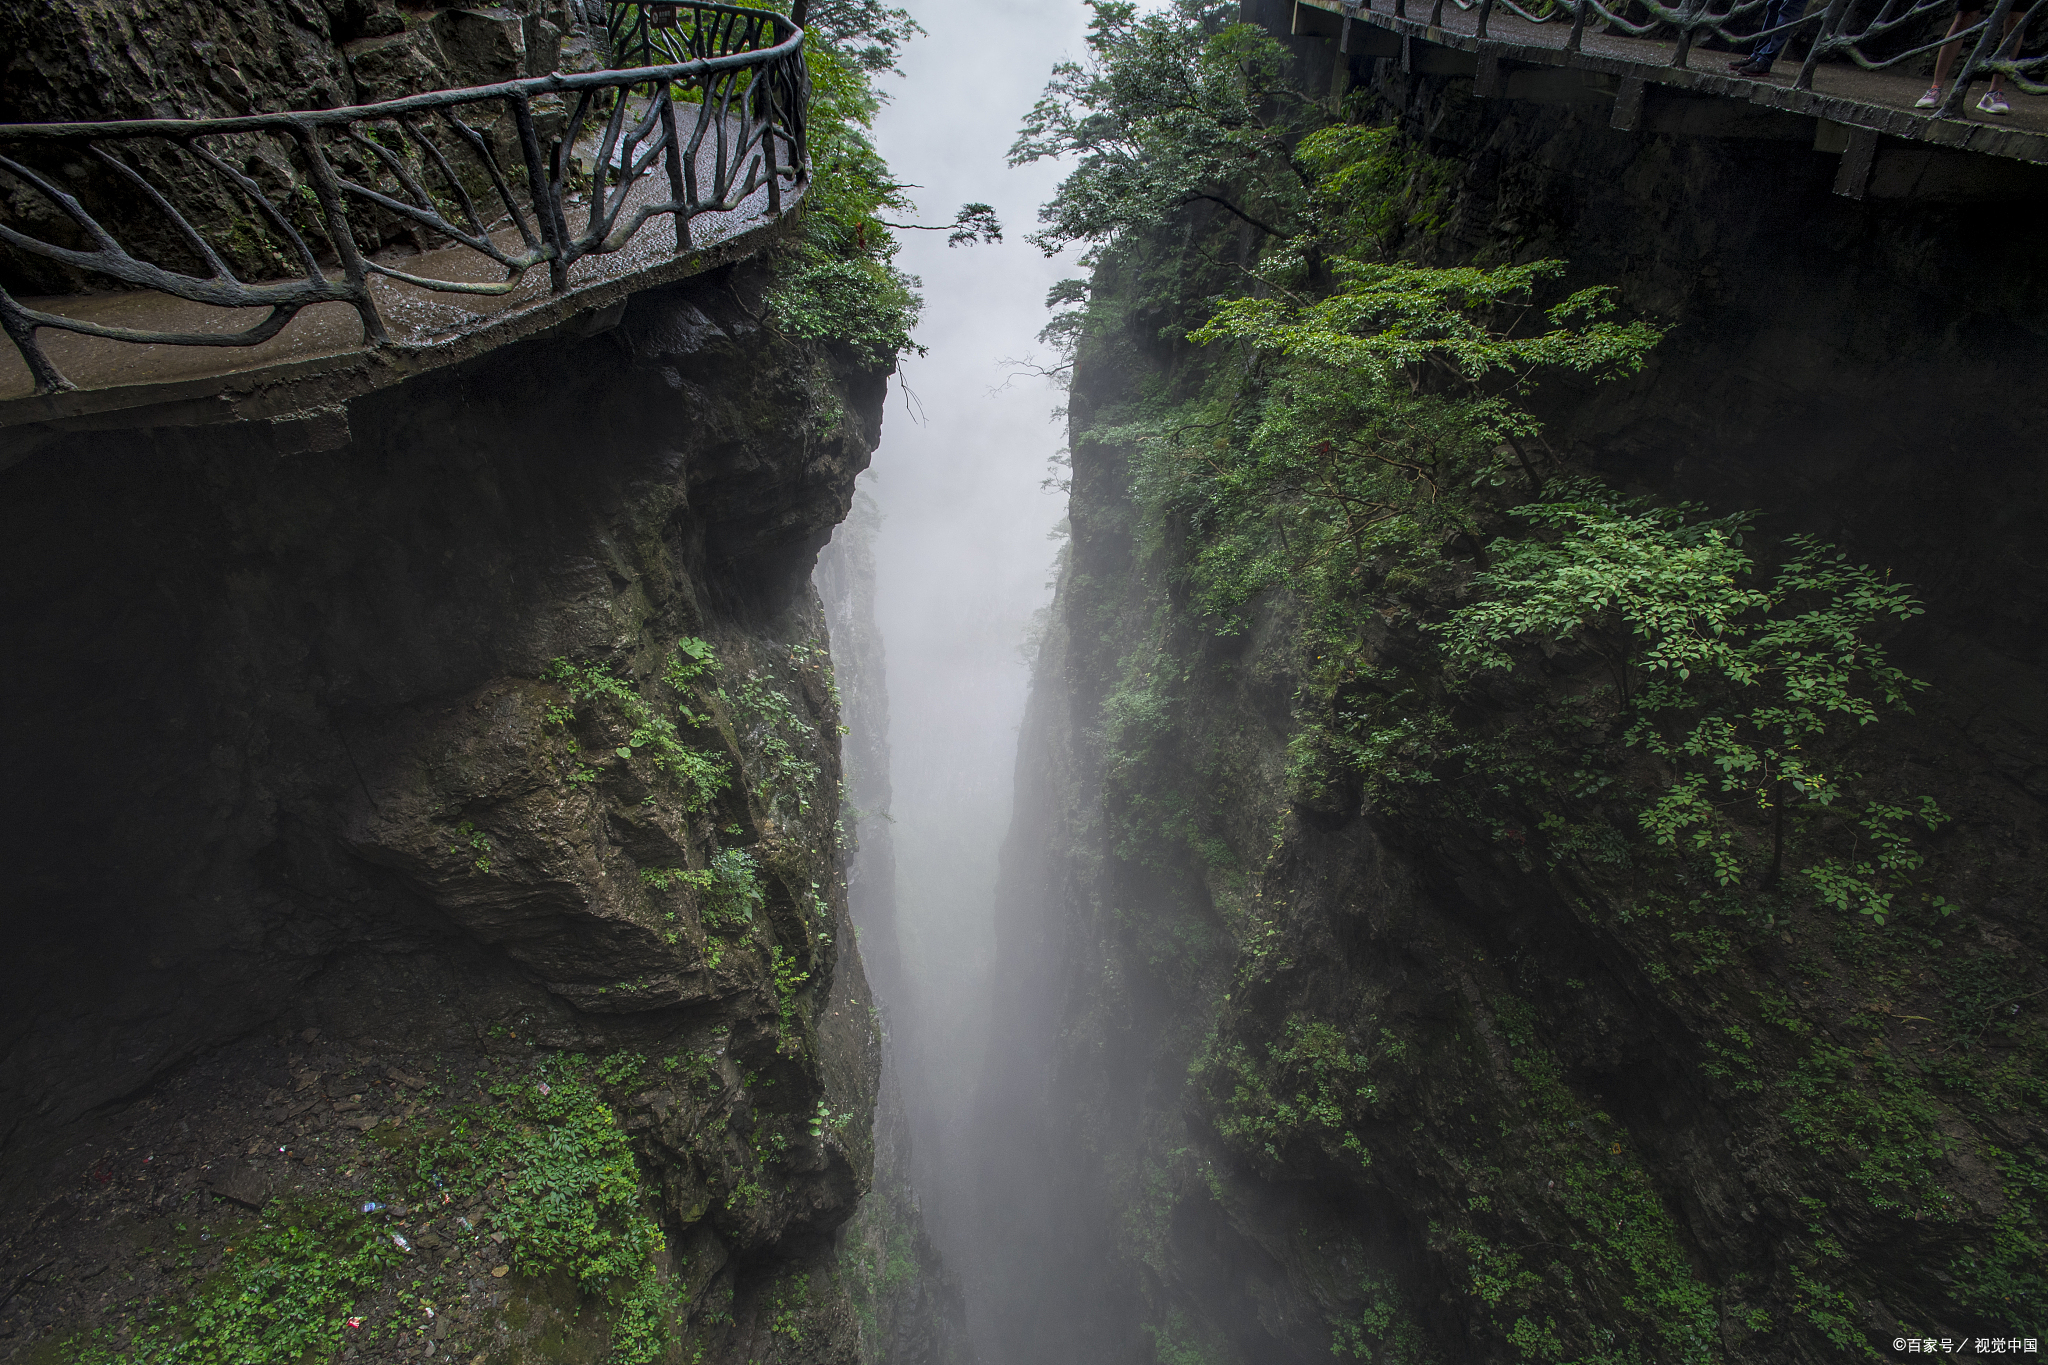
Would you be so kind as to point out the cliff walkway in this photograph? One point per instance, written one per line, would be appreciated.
(386, 239)
(1849, 82)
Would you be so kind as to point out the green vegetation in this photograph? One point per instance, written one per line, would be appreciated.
(281, 1291)
(571, 1194)
(1653, 719)
(729, 891)
(788, 1303)
(840, 283)
(789, 979)
(470, 839)
(1623, 1234)
(1868, 1110)
(691, 664)
(1381, 1332)
(1311, 1086)
(1181, 1341)
(784, 737)
(1175, 107)
(547, 1158)
(698, 777)
(880, 1266)
(1743, 693)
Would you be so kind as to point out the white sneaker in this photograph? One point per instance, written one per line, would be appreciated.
(1930, 99)
(1994, 103)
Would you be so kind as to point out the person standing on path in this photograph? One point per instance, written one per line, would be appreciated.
(1765, 50)
(1994, 98)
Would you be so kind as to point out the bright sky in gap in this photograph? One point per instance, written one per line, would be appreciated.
(963, 558)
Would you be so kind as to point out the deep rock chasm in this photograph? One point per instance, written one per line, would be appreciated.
(438, 891)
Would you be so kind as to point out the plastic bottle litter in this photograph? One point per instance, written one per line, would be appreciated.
(400, 1242)
(371, 1206)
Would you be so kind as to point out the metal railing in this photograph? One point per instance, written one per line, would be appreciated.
(712, 95)
(1844, 28)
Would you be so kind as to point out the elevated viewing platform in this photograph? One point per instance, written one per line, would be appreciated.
(388, 239)
(1852, 91)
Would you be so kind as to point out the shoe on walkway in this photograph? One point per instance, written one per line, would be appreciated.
(1994, 103)
(1749, 67)
(1930, 99)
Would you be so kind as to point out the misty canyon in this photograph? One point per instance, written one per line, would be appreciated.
(598, 800)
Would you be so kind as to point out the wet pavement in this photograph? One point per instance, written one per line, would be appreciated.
(419, 322)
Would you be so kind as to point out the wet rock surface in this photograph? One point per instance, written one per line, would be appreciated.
(72, 61)
(1531, 1066)
(433, 743)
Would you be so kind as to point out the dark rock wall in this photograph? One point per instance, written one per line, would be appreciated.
(1856, 371)
(73, 60)
(285, 749)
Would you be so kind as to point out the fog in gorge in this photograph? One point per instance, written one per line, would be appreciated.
(605, 771)
(964, 551)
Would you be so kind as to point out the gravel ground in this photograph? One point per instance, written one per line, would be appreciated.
(132, 1222)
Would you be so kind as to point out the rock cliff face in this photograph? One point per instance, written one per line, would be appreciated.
(1282, 1078)
(74, 60)
(496, 750)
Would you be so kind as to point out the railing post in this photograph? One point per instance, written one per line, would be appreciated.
(341, 233)
(767, 88)
(800, 110)
(674, 162)
(21, 330)
(1571, 44)
(547, 204)
(1823, 43)
(1485, 9)
(1987, 43)
(1688, 23)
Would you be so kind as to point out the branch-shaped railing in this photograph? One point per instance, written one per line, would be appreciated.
(1843, 28)
(713, 96)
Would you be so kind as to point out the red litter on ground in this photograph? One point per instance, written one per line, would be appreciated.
(355, 1322)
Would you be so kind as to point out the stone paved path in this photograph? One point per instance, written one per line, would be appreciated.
(416, 319)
